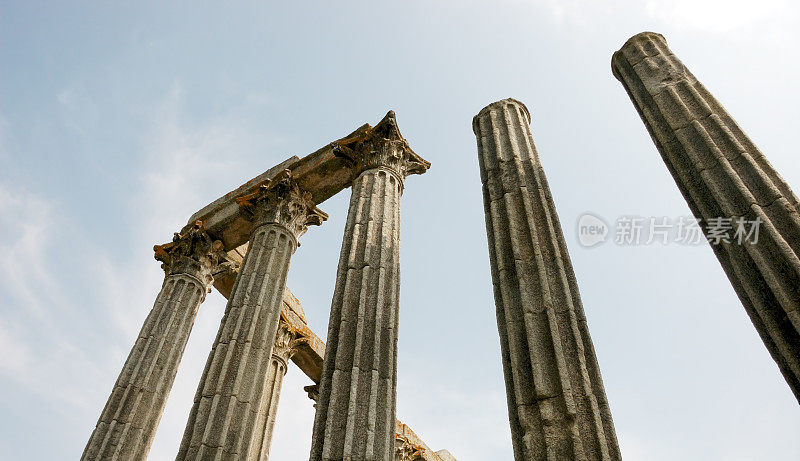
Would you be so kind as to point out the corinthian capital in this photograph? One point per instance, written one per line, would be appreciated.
(282, 201)
(404, 450)
(286, 340)
(191, 252)
(381, 147)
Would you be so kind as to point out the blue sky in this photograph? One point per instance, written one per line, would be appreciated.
(118, 121)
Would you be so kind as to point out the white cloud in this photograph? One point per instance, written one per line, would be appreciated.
(719, 16)
(37, 347)
(179, 159)
(16, 359)
(180, 168)
(181, 165)
(78, 109)
(26, 220)
(723, 17)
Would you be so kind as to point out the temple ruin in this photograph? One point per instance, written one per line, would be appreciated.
(242, 244)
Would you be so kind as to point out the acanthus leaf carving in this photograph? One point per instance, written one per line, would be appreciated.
(282, 201)
(381, 146)
(404, 450)
(192, 252)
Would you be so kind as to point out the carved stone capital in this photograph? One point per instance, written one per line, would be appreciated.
(192, 252)
(381, 147)
(281, 201)
(404, 450)
(285, 341)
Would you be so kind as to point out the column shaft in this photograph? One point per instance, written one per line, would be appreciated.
(223, 423)
(556, 400)
(358, 402)
(722, 174)
(281, 352)
(355, 416)
(128, 424)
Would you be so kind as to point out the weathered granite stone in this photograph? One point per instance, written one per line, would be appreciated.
(355, 418)
(445, 455)
(224, 421)
(556, 401)
(722, 175)
(409, 447)
(236, 403)
(282, 350)
(129, 421)
(307, 352)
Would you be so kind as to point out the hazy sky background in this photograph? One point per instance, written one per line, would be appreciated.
(117, 122)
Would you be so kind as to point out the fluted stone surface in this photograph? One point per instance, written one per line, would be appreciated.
(722, 174)
(281, 352)
(556, 401)
(224, 421)
(130, 418)
(355, 418)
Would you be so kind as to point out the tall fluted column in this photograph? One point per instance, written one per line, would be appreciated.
(557, 405)
(223, 423)
(281, 353)
(726, 180)
(128, 423)
(355, 418)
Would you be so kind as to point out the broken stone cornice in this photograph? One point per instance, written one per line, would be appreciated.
(322, 173)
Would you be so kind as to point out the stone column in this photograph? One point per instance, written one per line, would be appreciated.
(726, 181)
(223, 423)
(128, 423)
(281, 353)
(355, 416)
(556, 401)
